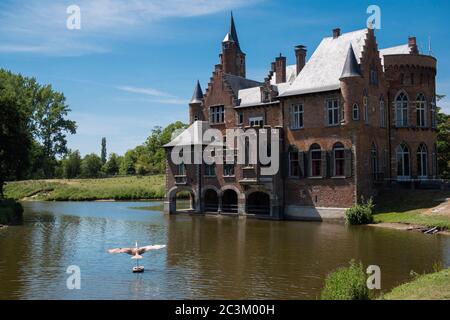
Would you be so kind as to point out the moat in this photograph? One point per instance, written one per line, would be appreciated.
(206, 257)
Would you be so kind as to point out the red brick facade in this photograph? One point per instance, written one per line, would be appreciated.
(358, 153)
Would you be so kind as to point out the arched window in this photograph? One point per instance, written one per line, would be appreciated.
(403, 162)
(339, 160)
(294, 163)
(374, 161)
(366, 108)
(433, 114)
(355, 113)
(421, 111)
(316, 160)
(422, 161)
(401, 110)
(435, 162)
(382, 113)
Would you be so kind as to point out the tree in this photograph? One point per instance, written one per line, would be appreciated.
(103, 154)
(443, 144)
(91, 166)
(15, 135)
(112, 165)
(72, 165)
(51, 125)
(128, 163)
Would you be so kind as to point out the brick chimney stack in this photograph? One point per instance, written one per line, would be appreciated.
(280, 69)
(336, 33)
(300, 55)
(412, 43)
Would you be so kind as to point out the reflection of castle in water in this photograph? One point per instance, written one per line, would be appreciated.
(235, 258)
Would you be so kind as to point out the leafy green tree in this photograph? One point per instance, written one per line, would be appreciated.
(91, 166)
(15, 134)
(103, 154)
(443, 144)
(51, 125)
(72, 165)
(111, 167)
(127, 167)
(157, 140)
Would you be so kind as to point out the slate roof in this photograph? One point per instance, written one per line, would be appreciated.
(239, 83)
(403, 49)
(197, 97)
(351, 66)
(324, 69)
(192, 136)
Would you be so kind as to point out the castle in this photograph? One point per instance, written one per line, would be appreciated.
(353, 118)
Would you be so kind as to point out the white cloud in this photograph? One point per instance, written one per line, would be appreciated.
(40, 26)
(145, 91)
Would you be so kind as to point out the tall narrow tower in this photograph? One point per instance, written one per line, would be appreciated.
(232, 58)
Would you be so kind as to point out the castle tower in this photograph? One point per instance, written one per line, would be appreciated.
(195, 106)
(232, 58)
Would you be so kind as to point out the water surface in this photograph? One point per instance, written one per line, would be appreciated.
(205, 258)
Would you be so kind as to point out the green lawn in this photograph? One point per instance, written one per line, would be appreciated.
(435, 286)
(121, 188)
(408, 206)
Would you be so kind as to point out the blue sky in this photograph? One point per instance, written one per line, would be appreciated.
(134, 63)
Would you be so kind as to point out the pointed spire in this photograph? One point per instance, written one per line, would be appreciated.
(198, 94)
(351, 66)
(233, 32)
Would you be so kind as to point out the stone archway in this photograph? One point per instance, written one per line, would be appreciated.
(230, 201)
(211, 200)
(172, 204)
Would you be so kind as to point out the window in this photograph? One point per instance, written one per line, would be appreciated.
(422, 161)
(382, 113)
(434, 160)
(294, 163)
(374, 161)
(421, 111)
(403, 162)
(195, 118)
(316, 160)
(433, 114)
(256, 121)
(217, 114)
(297, 116)
(401, 110)
(210, 170)
(181, 170)
(373, 76)
(333, 112)
(228, 170)
(355, 114)
(366, 109)
(339, 160)
(240, 118)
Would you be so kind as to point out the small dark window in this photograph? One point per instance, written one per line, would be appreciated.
(316, 160)
(339, 160)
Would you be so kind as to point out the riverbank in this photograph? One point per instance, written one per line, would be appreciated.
(120, 188)
(435, 286)
(11, 212)
(414, 209)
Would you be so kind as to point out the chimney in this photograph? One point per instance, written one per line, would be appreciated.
(280, 69)
(300, 55)
(412, 43)
(336, 33)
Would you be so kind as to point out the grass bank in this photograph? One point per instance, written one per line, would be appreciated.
(435, 286)
(11, 212)
(120, 188)
(429, 208)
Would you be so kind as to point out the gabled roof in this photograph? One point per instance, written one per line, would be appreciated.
(324, 69)
(192, 136)
(351, 66)
(238, 83)
(197, 97)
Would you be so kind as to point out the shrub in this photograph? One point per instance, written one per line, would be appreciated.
(348, 283)
(360, 214)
